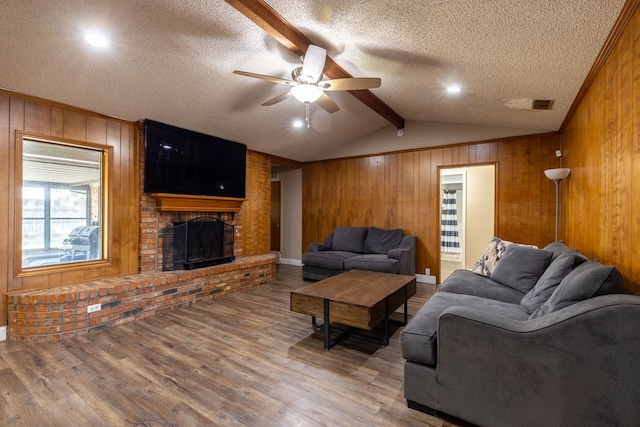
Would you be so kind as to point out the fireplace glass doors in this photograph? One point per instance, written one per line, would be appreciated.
(200, 242)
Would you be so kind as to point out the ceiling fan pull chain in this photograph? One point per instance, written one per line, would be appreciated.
(306, 117)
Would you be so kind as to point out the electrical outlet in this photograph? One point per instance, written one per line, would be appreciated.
(427, 272)
(93, 308)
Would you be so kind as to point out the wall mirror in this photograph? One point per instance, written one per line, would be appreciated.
(60, 202)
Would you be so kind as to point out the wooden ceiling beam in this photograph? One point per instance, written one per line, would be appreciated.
(279, 28)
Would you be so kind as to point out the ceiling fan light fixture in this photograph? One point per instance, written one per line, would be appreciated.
(306, 93)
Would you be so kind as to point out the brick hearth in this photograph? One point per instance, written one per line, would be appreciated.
(55, 313)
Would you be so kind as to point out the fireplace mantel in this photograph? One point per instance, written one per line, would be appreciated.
(166, 202)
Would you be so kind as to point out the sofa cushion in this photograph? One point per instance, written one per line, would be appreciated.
(585, 281)
(491, 256)
(419, 338)
(557, 248)
(381, 241)
(520, 267)
(468, 283)
(372, 262)
(559, 268)
(349, 239)
(333, 260)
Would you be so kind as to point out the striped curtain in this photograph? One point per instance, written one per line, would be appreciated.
(450, 240)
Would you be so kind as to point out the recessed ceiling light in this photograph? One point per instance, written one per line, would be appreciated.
(297, 123)
(96, 39)
(453, 89)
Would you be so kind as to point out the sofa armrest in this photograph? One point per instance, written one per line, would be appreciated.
(405, 253)
(317, 247)
(324, 246)
(570, 367)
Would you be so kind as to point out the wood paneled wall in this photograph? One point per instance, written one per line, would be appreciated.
(18, 112)
(401, 190)
(601, 213)
(255, 216)
(51, 119)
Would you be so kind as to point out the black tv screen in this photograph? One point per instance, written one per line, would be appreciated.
(180, 161)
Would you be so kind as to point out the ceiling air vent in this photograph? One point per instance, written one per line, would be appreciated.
(542, 104)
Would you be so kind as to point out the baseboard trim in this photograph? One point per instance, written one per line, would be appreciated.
(278, 255)
(3, 333)
(422, 278)
(289, 261)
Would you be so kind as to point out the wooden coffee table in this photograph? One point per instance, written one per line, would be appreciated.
(357, 299)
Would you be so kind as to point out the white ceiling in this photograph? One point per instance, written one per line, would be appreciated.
(172, 61)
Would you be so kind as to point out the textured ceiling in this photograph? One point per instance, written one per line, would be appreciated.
(172, 61)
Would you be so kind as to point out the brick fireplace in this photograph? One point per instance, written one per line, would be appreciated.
(153, 221)
(62, 312)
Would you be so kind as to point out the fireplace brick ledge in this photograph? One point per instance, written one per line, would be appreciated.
(61, 312)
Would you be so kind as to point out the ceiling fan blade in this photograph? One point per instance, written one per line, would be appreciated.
(326, 103)
(277, 99)
(356, 83)
(267, 78)
(313, 63)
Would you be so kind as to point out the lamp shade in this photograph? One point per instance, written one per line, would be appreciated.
(306, 92)
(557, 174)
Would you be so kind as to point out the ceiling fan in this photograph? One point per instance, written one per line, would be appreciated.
(307, 85)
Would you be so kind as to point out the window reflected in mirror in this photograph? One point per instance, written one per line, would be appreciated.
(62, 203)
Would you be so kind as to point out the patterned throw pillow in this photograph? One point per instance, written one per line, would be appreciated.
(487, 263)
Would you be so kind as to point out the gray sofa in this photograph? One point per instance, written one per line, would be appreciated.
(360, 248)
(548, 338)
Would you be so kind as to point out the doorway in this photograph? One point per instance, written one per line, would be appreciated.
(467, 215)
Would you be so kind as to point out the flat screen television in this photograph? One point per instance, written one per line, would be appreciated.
(181, 161)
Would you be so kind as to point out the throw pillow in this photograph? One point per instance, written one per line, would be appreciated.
(485, 265)
(520, 267)
(550, 279)
(381, 241)
(585, 281)
(349, 239)
(557, 248)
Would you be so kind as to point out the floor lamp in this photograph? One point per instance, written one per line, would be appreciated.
(557, 175)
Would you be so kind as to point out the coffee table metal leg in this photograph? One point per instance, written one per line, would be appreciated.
(406, 301)
(327, 325)
(386, 322)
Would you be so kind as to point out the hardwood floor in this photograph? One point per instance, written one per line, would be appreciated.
(242, 360)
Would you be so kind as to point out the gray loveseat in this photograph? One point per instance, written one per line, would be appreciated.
(548, 338)
(360, 248)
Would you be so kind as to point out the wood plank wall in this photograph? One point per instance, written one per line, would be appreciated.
(32, 115)
(19, 112)
(255, 216)
(400, 190)
(601, 213)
